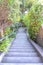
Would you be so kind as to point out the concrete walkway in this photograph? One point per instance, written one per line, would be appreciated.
(22, 51)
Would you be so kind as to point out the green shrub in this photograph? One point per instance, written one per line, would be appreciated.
(4, 44)
(7, 31)
(35, 20)
(34, 29)
(13, 35)
(26, 20)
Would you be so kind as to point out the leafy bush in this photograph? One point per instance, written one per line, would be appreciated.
(7, 31)
(4, 44)
(1, 1)
(14, 10)
(35, 20)
(34, 29)
(13, 35)
(26, 20)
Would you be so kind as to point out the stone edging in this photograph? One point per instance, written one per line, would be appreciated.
(37, 47)
(4, 53)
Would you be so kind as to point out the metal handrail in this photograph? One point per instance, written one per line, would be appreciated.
(6, 36)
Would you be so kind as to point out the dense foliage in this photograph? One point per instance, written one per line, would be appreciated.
(28, 3)
(14, 10)
(33, 20)
(12, 7)
(4, 44)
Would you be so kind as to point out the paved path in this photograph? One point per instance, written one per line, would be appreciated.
(22, 51)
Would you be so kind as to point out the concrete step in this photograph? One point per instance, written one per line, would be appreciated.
(22, 60)
(21, 63)
(24, 54)
(21, 47)
(24, 42)
(22, 50)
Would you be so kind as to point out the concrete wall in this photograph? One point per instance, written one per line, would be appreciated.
(40, 36)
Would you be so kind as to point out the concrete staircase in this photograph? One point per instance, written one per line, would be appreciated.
(21, 52)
